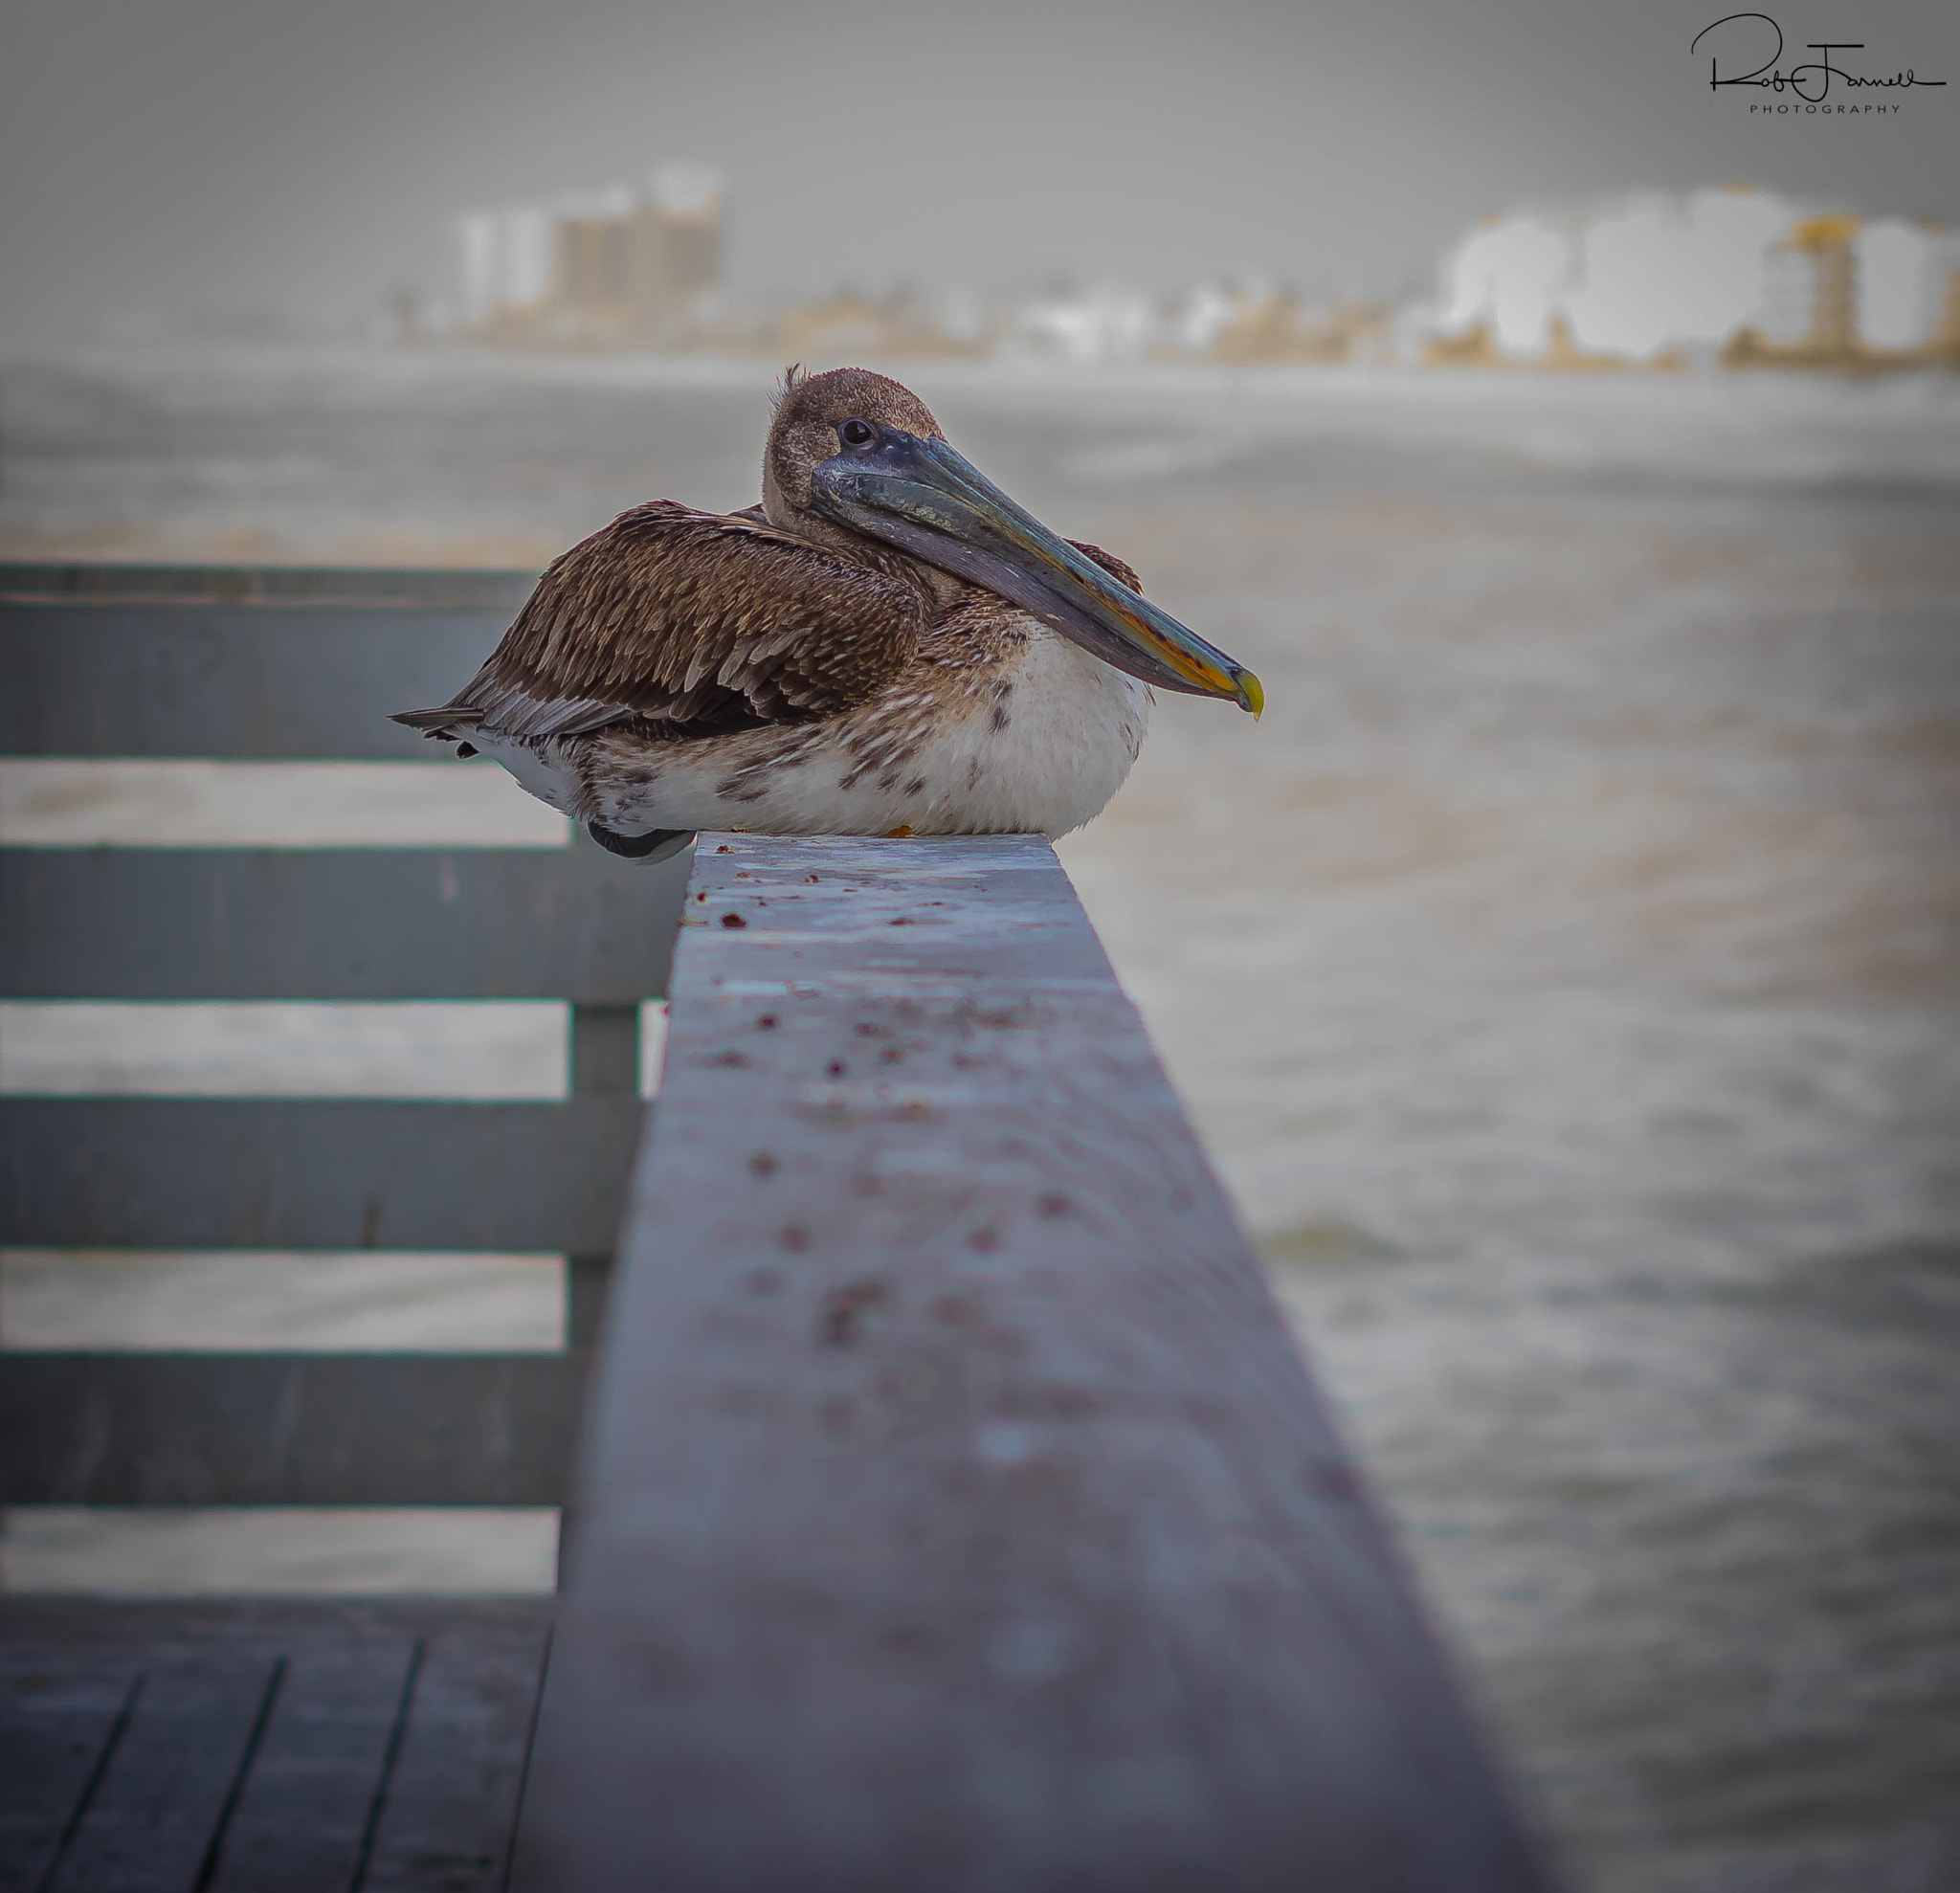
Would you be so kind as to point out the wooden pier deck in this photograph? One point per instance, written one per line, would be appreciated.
(281, 1745)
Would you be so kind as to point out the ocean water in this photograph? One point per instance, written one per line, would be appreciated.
(1565, 974)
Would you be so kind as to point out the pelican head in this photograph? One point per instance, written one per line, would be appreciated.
(860, 452)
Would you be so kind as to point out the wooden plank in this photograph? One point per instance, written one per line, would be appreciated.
(956, 1511)
(355, 923)
(287, 1429)
(164, 1802)
(419, 586)
(358, 1174)
(199, 680)
(447, 1823)
(303, 1816)
(60, 1725)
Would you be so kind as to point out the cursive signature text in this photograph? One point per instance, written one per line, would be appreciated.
(1811, 80)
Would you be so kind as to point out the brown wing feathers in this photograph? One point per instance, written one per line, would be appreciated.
(688, 619)
(1122, 573)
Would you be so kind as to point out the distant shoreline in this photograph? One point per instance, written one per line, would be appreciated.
(325, 455)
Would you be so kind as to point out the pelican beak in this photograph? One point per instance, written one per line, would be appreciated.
(916, 492)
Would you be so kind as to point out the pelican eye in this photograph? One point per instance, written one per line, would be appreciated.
(856, 434)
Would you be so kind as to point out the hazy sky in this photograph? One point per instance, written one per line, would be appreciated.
(160, 159)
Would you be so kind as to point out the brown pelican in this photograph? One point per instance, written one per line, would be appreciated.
(886, 645)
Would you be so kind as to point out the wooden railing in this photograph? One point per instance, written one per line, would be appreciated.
(955, 1511)
(104, 663)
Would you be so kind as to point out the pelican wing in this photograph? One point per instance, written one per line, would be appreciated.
(1122, 573)
(699, 622)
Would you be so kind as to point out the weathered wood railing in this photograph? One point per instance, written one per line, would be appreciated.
(284, 667)
(371, 1744)
(955, 1510)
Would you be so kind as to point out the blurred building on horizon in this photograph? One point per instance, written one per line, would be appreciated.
(1728, 277)
(1731, 277)
(617, 267)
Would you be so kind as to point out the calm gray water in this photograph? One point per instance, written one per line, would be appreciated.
(1566, 975)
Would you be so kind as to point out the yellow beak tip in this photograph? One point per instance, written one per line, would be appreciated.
(1251, 693)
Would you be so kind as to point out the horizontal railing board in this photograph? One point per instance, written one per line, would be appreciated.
(420, 587)
(479, 1051)
(190, 802)
(126, 1552)
(205, 1174)
(355, 923)
(193, 680)
(364, 1428)
(955, 1510)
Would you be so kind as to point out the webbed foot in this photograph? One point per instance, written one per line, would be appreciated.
(660, 844)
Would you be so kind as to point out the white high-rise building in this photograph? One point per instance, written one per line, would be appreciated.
(1903, 270)
(596, 264)
(505, 258)
(1656, 272)
(1662, 274)
(1512, 275)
